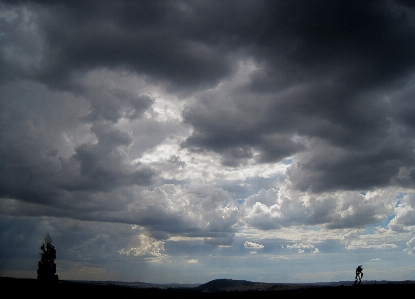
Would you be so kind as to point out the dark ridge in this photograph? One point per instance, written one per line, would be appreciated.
(230, 285)
(20, 288)
(224, 284)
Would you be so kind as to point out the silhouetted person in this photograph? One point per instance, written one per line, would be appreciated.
(359, 274)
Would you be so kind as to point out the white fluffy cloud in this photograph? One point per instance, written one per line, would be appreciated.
(404, 217)
(302, 248)
(285, 206)
(144, 247)
(192, 261)
(410, 246)
(361, 244)
(252, 245)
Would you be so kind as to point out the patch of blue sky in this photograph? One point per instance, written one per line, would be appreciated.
(399, 197)
(370, 228)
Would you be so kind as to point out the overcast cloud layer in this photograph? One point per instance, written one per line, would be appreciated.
(183, 141)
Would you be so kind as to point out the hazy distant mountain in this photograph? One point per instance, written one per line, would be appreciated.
(137, 284)
(226, 285)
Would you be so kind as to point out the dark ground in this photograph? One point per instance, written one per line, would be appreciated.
(18, 288)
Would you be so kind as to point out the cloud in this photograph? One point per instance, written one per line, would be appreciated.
(360, 239)
(270, 129)
(178, 209)
(279, 257)
(410, 247)
(303, 247)
(56, 149)
(404, 219)
(362, 244)
(103, 37)
(274, 208)
(337, 129)
(144, 247)
(192, 261)
(253, 245)
(221, 239)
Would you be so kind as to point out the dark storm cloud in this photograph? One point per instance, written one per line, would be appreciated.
(327, 168)
(325, 71)
(323, 87)
(189, 43)
(225, 239)
(38, 125)
(114, 104)
(150, 38)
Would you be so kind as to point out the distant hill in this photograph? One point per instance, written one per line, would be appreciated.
(134, 284)
(230, 285)
(226, 285)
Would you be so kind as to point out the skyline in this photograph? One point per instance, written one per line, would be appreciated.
(186, 141)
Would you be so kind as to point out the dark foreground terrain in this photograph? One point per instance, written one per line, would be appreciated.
(19, 288)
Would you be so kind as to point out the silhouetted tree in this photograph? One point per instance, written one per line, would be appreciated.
(46, 270)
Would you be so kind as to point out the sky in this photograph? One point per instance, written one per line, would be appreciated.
(186, 141)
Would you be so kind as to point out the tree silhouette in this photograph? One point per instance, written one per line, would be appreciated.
(46, 270)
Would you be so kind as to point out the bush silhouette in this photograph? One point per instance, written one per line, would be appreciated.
(46, 270)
